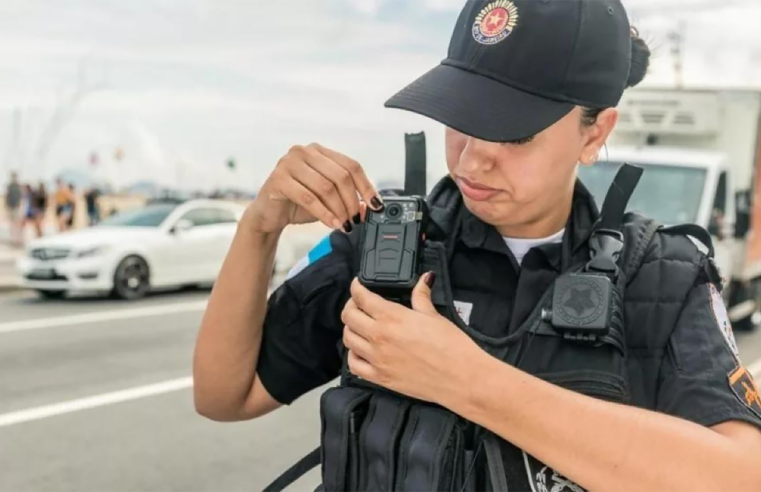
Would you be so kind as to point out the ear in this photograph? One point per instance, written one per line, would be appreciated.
(596, 136)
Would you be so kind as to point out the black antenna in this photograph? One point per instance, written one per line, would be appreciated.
(415, 166)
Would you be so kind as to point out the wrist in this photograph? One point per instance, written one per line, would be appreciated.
(473, 385)
(253, 221)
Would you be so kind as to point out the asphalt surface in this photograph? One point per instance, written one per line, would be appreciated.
(56, 352)
(154, 443)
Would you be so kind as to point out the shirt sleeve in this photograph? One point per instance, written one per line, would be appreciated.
(302, 328)
(703, 379)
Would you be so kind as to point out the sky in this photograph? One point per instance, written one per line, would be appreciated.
(181, 86)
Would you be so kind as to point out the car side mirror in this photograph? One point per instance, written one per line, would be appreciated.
(182, 226)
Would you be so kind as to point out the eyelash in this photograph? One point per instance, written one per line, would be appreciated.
(522, 141)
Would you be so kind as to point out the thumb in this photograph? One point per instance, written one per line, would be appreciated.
(421, 294)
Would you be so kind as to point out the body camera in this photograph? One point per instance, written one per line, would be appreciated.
(392, 247)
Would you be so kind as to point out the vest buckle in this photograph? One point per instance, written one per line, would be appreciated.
(605, 247)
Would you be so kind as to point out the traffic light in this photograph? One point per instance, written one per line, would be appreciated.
(231, 164)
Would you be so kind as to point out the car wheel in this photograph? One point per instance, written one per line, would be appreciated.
(52, 294)
(131, 279)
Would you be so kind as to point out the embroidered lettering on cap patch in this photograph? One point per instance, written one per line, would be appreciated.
(745, 388)
(722, 319)
(542, 478)
(495, 22)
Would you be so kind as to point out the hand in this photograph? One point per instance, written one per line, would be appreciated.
(415, 352)
(310, 184)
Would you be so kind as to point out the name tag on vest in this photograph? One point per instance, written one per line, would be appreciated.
(464, 309)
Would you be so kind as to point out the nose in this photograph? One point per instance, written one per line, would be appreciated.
(479, 155)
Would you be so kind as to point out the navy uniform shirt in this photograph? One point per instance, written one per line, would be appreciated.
(700, 378)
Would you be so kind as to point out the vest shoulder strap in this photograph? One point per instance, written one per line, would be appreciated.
(638, 242)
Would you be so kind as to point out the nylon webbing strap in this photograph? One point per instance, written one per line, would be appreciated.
(415, 165)
(295, 472)
(617, 199)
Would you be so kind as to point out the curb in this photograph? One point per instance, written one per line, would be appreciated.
(6, 288)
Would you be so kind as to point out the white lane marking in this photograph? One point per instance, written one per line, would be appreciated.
(120, 314)
(65, 407)
(755, 369)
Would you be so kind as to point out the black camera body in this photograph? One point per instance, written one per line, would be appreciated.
(392, 247)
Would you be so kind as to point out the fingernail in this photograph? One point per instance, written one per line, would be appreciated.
(348, 227)
(430, 279)
(377, 204)
(356, 219)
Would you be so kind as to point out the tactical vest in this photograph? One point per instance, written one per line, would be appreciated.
(575, 337)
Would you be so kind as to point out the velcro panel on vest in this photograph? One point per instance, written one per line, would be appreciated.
(434, 260)
(432, 451)
(379, 442)
(341, 413)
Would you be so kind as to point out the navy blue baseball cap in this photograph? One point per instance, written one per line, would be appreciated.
(516, 67)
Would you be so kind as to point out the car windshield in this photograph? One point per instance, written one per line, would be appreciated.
(150, 216)
(668, 194)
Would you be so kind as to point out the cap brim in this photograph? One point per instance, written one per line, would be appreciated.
(479, 106)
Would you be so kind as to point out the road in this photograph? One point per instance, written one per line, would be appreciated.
(64, 351)
(67, 423)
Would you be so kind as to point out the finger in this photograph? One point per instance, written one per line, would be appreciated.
(360, 323)
(368, 302)
(322, 187)
(339, 176)
(421, 294)
(363, 211)
(366, 189)
(360, 367)
(357, 344)
(306, 199)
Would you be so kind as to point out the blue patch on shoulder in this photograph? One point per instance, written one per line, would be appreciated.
(323, 249)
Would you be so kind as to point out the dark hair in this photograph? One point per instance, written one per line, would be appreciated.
(639, 66)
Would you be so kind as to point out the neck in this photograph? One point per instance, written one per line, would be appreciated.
(551, 220)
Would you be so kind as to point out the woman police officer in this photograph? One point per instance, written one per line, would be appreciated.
(527, 92)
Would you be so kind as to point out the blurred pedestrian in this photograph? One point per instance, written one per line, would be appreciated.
(29, 209)
(13, 196)
(93, 207)
(72, 207)
(63, 204)
(40, 208)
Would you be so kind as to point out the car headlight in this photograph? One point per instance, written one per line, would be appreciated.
(96, 251)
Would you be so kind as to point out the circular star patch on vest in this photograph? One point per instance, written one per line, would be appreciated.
(495, 22)
(722, 320)
(581, 302)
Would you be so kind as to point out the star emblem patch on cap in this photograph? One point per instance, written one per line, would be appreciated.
(495, 22)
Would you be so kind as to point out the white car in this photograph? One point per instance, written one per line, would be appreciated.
(157, 246)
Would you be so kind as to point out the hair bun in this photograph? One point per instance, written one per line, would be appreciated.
(640, 60)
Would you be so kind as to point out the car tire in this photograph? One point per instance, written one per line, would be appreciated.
(51, 294)
(131, 279)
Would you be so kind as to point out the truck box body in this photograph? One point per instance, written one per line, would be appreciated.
(700, 151)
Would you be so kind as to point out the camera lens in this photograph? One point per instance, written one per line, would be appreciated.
(394, 211)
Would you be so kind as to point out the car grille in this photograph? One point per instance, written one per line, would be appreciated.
(48, 254)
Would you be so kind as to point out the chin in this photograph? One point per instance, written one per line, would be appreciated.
(486, 211)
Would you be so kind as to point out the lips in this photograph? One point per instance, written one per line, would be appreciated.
(475, 191)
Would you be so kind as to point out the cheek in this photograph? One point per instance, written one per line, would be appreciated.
(455, 143)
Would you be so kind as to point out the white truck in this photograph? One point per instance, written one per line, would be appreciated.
(701, 151)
